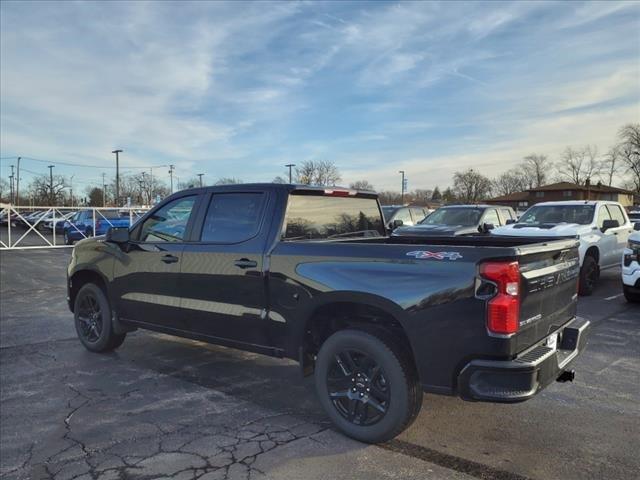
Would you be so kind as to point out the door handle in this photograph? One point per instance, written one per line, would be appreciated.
(170, 259)
(245, 263)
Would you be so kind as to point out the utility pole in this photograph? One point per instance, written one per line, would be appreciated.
(117, 152)
(402, 190)
(71, 189)
(11, 186)
(18, 183)
(51, 185)
(200, 177)
(144, 187)
(104, 191)
(290, 166)
(171, 168)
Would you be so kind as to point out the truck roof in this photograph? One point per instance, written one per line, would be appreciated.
(576, 202)
(289, 187)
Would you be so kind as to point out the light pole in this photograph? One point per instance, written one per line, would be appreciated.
(117, 152)
(18, 184)
(200, 177)
(11, 177)
(290, 166)
(104, 191)
(402, 189)
(51, 185)
(171, 168)
(71, 189)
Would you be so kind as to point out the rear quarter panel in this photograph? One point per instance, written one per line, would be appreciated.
(432, 298)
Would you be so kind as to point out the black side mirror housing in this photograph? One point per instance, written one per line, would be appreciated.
(607, 224)
(486, 227)
(510, 221)
(396, 223)
(636, 226)
(119, 235)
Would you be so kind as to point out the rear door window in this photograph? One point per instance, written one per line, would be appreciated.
(603, 214)
(233, 217)
(404, 215)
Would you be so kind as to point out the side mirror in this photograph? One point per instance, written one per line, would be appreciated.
(511, 221)
(396, 223)
(119, 235)
(607, 224)
(486, 227)
(636, 226)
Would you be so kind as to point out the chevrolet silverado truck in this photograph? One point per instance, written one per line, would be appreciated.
(602, 228)
(312, 275)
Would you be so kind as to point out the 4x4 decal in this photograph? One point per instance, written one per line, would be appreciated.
(425, 255)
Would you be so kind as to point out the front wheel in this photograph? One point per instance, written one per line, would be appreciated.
(589, 274)
(368, 386)
(92, 314)
(631, 296)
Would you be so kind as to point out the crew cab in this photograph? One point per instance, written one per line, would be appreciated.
(631, 267)
(311, 274)
(87, 223)
(602, 227)
(455, 220)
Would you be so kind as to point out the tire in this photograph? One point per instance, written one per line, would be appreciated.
(67, 240)
(372, 393)
(589, 274)
(632, 297)
(92, 315)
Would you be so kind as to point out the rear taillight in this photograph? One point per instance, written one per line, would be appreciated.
(503, 310)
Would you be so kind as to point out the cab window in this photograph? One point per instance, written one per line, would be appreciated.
(616, 214)
(603, 214)
(168, 223)
(233, 217)
(491, 216)
(404, 215)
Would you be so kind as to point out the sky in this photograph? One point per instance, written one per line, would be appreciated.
(241, 89)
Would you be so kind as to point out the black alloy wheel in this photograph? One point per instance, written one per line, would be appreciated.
(90, 317)
(358, 388)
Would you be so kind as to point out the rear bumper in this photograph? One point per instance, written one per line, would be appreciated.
(532, 370)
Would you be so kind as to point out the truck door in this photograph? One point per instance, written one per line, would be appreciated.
(146, 286)
(622, 232)
(608, 243)
(222, 282)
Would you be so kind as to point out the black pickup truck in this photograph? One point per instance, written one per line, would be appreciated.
(311, 274)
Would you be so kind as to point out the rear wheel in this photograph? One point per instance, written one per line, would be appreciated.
(589, 274)
(630, 295)
(367, 385)
(92, 314)
(67, 238)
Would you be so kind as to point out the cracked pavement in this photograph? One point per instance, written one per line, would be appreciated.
(163, 407)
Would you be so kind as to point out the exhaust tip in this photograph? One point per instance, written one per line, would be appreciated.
(566, 376)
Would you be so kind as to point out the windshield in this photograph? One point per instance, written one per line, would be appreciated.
(554, 214)
(466, 217)
(312, 217)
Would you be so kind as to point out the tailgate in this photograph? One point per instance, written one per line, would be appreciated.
(549, 289)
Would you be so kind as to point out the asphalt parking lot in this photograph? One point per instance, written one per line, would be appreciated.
(163, 407)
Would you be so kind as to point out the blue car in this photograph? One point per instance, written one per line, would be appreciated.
(81, 224)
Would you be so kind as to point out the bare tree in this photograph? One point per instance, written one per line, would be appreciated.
(46, 190)
(388, 197)
(228, 181)
(436, 196)
(611, 164)
(629, 150)
(579, 165)
(511, 181)
(4, 190)
(279, 179)
(323, 172)
(536, 167)
(362, 185)
(470, 186)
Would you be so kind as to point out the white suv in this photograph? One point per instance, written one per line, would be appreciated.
(602, 227)
(631, 268)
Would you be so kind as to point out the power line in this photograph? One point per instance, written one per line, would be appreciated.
(69, 164)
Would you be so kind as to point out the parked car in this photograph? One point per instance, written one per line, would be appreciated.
(602, 227)
(81, 225)
(394, 214)
(309, 274)
(634, 216)
(631, 267)
(60, 221)
(456, 220)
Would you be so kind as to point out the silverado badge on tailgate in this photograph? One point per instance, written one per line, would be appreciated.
(426, 255)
